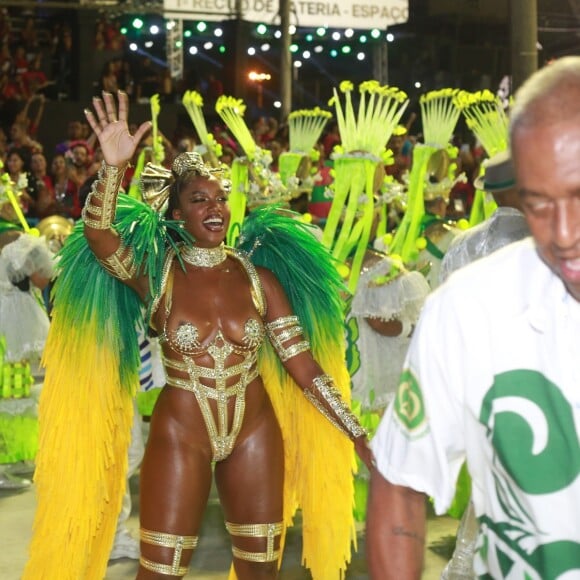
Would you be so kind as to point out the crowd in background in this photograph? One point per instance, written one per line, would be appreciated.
(35, 64)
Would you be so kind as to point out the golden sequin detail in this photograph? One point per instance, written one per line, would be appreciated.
(230, 378)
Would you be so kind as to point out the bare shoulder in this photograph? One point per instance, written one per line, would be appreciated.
(274, 293)
(267, 278)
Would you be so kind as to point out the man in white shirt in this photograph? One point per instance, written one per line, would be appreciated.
(492, 375)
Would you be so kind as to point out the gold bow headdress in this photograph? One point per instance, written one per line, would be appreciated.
(156, 181)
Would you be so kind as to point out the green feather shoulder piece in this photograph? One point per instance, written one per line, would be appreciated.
(84, 292)
(274, 239)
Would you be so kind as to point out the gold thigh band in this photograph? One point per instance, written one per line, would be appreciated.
(269, 531)
(179, 543)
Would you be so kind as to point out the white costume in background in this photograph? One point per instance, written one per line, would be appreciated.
(381, 357)
(505, 226)
(24, 324)
(23, 319)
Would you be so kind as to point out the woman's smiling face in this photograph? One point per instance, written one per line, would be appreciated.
(204, 210)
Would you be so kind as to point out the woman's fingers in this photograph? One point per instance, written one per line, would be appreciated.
(142, 130)
(100, 113)
(110, 107)
(93, 122)
(123, 105)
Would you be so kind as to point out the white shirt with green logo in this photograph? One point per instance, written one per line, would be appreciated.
(493, 376)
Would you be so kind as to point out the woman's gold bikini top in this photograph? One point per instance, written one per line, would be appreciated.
(184, 340)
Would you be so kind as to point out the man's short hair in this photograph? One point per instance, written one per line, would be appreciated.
(551, 95)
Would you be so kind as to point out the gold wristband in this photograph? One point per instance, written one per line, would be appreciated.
(323, 390)
(100, 216)
(120, 264)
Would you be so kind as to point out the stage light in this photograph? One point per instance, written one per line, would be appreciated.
(259, 77)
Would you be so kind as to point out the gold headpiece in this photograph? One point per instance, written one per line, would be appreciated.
(155, 181)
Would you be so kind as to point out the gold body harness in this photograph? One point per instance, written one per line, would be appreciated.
(185, 341)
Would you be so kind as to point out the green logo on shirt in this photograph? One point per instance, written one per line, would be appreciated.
(532, 428)
(409, 406)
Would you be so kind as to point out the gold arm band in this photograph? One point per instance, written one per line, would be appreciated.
(179, 543)
(281, 331)
(323, 390)
(121, 263)
(269, 531)
(100, 216)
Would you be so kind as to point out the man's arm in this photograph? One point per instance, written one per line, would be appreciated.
(395, 535)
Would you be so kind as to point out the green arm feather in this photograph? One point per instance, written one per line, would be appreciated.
(85, 293)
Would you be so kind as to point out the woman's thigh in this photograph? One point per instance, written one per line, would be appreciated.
(250, 481)
(251, 487)
(174, 486)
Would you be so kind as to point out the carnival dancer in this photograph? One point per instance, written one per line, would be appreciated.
(228, 406)
(385, 308)
(424, 233)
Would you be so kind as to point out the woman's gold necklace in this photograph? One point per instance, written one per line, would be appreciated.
(204, 257)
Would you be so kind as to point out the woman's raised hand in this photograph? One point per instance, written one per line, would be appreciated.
(111, 129)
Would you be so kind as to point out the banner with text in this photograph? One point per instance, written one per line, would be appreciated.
(364, 14)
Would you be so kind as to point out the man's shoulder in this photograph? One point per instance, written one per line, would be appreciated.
(496, 278)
